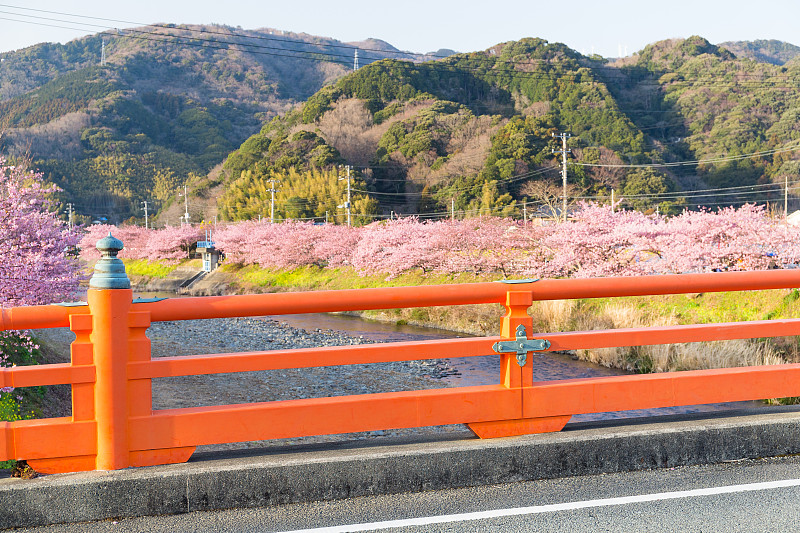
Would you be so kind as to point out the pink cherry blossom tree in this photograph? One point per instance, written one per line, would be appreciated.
(172, 243)
(596, 241)
(36, 268)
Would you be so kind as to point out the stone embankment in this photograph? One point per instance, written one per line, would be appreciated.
(188, 280)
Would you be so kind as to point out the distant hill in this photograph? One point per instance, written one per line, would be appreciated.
(474, 132)
(765, 51)
(229, 113)
(169, 104)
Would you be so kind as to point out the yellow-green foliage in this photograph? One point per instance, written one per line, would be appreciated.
(710, 307)
(317, 278)
(299, 195)
(148, 269)
(9, 412)
(9, 408)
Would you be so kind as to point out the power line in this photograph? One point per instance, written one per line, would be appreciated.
(184, 40)
(172, 39)
(720, 191)
(188, 40)
(213, 32)
(697, 161)
(466, 187)
(627, 200)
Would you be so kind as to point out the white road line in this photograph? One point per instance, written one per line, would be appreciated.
(538, 509)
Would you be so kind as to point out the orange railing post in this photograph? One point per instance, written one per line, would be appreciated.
(516, 372)
(110, 298)
(109, 338)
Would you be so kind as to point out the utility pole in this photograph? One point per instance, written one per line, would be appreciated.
(69, 208)
(103, 53)
(563, 152)
(346, 205)
(452, 208)
(272, 190)
(186, 204)
(525, 213)
(612, 200)
(786, 197)
(146, 225)
(355, 61)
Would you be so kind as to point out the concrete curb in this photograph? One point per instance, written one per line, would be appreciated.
(309, 473)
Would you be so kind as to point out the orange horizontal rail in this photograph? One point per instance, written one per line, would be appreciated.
(49, 437)
(462, 294)
(668, 389)
(326, 301)
(38, 316)
(575, 340)
(324, 416)
(54, 374)
(567, 289)
(45, 316)
(48, 316)
(360, 354)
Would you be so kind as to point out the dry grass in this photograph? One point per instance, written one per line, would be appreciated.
(567, 315)
(482, 320)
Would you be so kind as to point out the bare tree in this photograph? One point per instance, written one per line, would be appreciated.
(608, 170)
(549, 196)
(345, 128)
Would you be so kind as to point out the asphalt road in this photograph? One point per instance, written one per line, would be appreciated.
(759, 495)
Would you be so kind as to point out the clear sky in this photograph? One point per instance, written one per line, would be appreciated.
(603, 27)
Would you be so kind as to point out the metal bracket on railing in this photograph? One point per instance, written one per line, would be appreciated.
(522, 345)
(147, 300)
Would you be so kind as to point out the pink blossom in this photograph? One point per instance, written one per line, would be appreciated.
(35, 268)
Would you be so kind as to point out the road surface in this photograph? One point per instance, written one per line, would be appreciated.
(757, 495)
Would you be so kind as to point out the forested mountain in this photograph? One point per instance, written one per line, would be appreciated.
(168, 104)
(474, 132)
(766, 51)
(471, 133)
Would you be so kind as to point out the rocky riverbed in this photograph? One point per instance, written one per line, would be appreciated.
(195, 337)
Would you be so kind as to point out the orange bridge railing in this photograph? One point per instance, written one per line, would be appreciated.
(113, 424)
